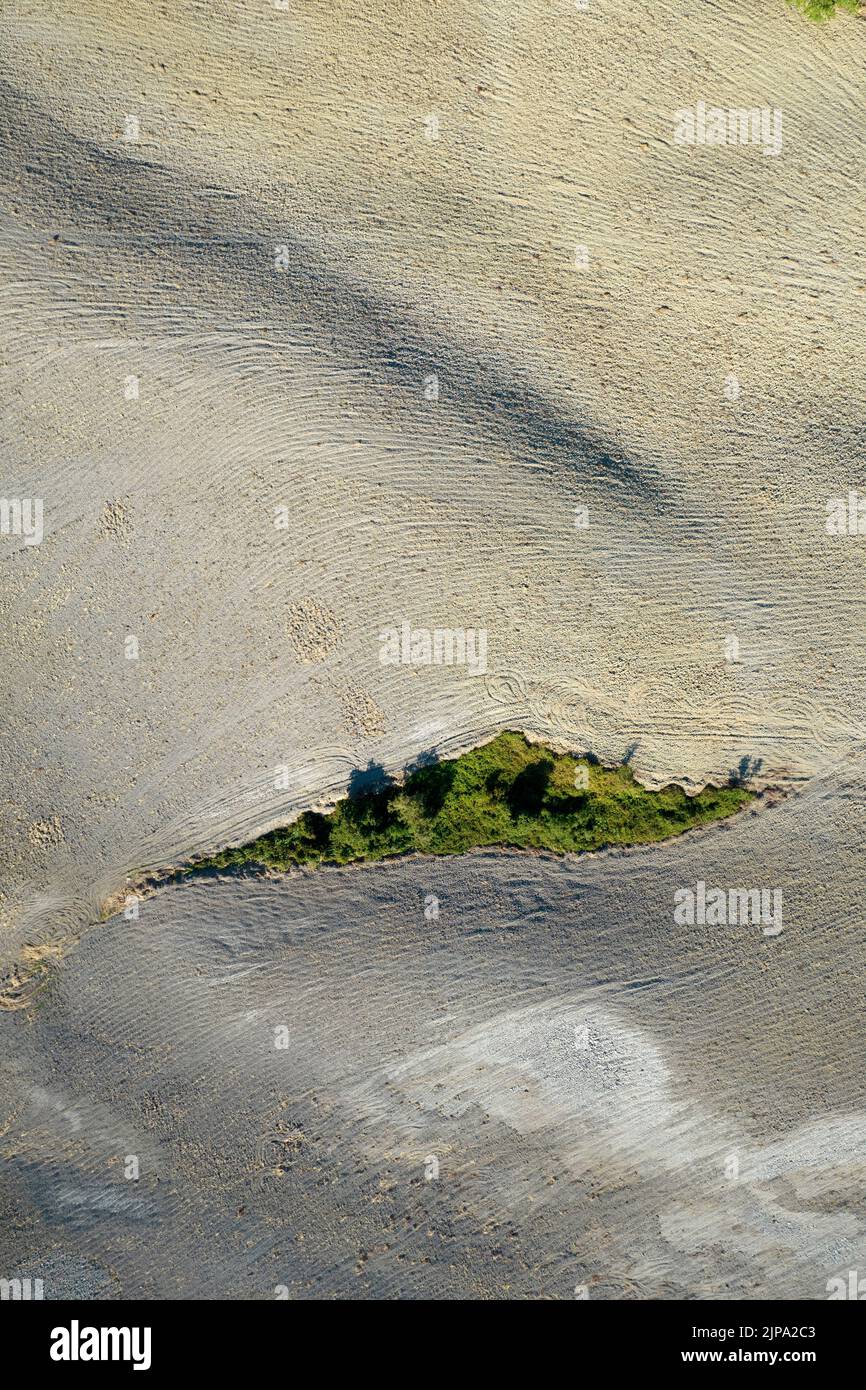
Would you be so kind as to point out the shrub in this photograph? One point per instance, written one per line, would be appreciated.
(508, 792)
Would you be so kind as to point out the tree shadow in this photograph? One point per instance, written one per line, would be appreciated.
(313, 830)
(746, 769)
(371, 792)
(525, 796)
(368, 781)
(430, 781)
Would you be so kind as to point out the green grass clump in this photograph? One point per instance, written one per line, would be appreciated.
(509, 792)
(824, 9)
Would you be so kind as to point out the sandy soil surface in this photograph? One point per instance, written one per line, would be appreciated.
(303, 388)
(321, 319)
(546, 1087)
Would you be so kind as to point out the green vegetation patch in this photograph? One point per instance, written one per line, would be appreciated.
(824, 9)
(510, 792)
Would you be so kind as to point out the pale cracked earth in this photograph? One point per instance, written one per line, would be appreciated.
(232, 320)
